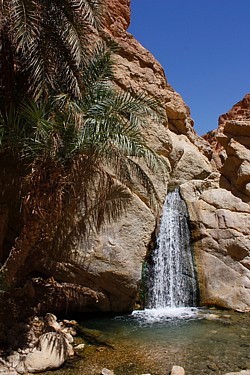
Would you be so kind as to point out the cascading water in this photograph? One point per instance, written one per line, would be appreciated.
(172, 281)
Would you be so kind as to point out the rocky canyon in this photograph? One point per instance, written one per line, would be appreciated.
(213, 173)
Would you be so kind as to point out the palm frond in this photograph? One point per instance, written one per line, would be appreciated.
(131, 174)
(37, 69)
(38, 119)
(25, 22)
(12, 130)
(99, 67)
(92, 10)
(69, 29)
(48, 41)
(111, 201)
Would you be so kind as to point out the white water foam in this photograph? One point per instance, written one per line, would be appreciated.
(166, 314)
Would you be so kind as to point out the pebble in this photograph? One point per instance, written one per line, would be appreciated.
(177, 370)
(79, 347)
(106, 371)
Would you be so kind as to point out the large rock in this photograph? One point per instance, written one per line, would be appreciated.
(220, 214)
(236, 167)
(112, 261)
(187, 161)
(231, 148)
(220, 225)
(51, 353)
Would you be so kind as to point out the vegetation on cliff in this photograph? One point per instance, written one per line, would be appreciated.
(76, 136)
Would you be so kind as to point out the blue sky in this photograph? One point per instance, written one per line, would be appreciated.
(204, 48)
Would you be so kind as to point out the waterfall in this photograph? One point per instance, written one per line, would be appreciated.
(172, 281)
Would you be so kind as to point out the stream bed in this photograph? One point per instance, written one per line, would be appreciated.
(152, 341)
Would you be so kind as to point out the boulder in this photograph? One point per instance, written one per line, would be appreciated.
(51, 353)
(187, 161)
(112, 261)
(220, 224)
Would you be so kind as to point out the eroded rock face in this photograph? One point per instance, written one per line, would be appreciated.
(230, 144)
(111, 262)
(220, 215)
(234, 136)
(220, 225)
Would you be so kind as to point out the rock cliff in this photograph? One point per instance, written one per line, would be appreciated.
(234, 136)
(218, 203)
(112, 261)
(219, 212)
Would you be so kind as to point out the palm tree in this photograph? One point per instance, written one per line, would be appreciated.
(94, 141)
(43, 44)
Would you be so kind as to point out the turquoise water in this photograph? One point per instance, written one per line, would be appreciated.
(202, 341)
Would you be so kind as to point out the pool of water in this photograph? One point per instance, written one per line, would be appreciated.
(151, 342)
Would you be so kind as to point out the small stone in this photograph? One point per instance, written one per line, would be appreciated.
(106, 371)
(177, 370)
(79, 347)
(212, 317)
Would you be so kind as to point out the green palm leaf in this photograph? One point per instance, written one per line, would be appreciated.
(44, 43)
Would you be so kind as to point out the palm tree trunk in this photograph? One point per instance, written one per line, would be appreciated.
(7, 78)
(3, 227)
(24, 243)
(42, 207)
